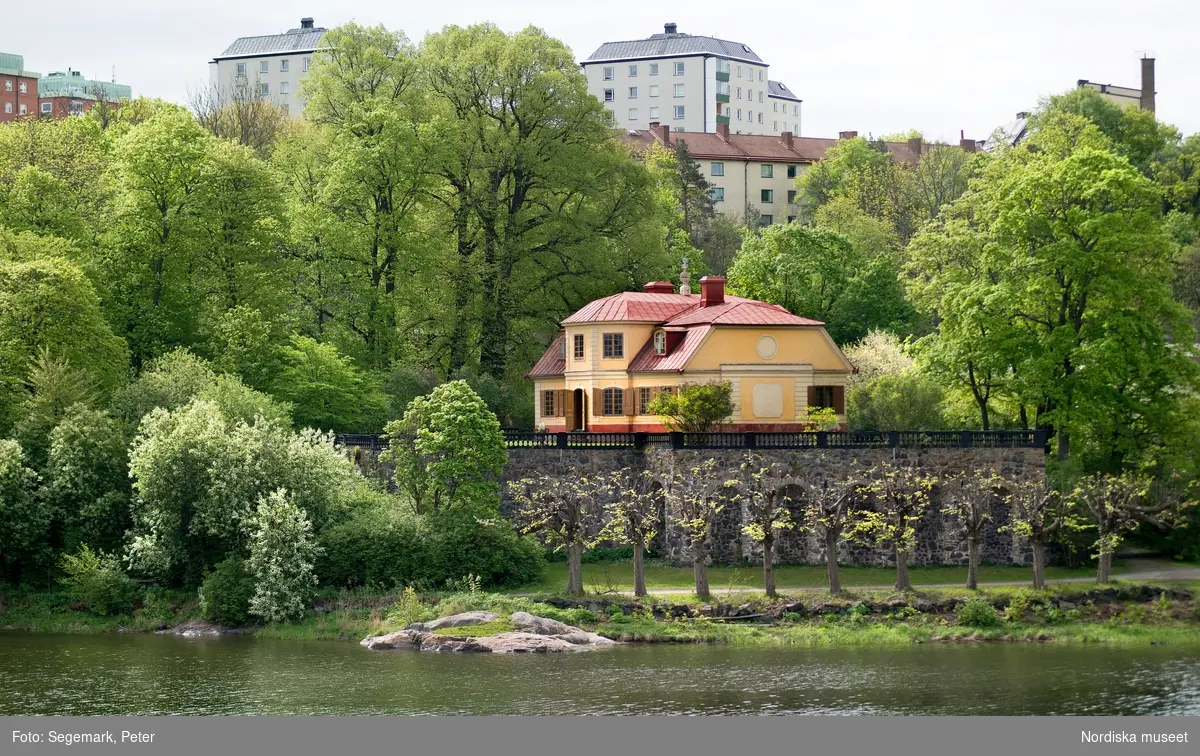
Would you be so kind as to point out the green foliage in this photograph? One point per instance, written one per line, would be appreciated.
(448, 451)
(226, 592)
(87, 479)
(409, 609)
(282, 553)
(1017, 608)
(469, 583)
(96, 580)
(819, 419)
(326, 390)
(24, 517)
(54, 387)
(697, 408)
(977, 612)
(908, 401)
(169, 381)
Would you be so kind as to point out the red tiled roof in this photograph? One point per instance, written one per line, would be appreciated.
(551, 362)
(634, 306)
(764, 148)
(647, 361)
(739, 311)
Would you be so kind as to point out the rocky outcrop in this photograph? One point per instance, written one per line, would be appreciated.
(199, 629)
(538, 635)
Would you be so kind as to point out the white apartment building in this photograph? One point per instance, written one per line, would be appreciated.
(690, 83)
(270, 66)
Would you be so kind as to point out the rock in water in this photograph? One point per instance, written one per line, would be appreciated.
(541, 625)
(534, 635)
(454, 620)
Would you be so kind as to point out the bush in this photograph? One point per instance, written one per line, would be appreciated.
(409, 609)
(908, 401)
(96, 580)
(226, 592)
(977, 612)
(282, 554)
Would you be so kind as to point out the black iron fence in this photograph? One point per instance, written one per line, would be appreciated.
(967, 439)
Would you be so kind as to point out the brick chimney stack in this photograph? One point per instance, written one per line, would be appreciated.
(1147, 102)
(712, 291)
(967, 145)
(723, 131)
(662, 131)
(659, 287)
(787, 139)
(847, 134)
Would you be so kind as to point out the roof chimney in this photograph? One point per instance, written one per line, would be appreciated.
(967, 145)
(1147, 102)
(787, 139)
(662, 131)
(659, 287)
(847, 134)
(1022, 115)
(914, 146)
(723, 131)
(306, 22)
(670, 28)
(712, 291)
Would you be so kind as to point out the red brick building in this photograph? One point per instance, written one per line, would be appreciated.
(18, 88)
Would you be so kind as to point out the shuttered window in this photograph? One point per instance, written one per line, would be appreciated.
(614, 401)
(548, 403)
(645, 396)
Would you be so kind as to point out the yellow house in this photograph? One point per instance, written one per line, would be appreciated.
(612, 357)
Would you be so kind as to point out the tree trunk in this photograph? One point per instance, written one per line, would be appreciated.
(700, 570)
(1064, 445)
(1039, 565)
(1104, 567)
(831, 563)
(639, 571)
(902, 581)
(769, 565)
(575, 569)
(973, 549)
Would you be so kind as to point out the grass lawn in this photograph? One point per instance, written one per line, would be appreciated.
(618, 576)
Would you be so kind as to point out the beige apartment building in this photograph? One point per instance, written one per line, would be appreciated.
(690, 83)
(270, 66)
(757, 173)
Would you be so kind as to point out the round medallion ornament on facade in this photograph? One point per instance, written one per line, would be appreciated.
(767, 347)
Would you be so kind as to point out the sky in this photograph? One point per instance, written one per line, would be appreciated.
(944, 68)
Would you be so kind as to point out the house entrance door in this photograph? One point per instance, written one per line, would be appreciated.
(578, 411)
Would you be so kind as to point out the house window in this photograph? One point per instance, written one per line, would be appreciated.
(633, 70)
(23, 87)
(579, 346)
(678, 112)
(548, 404)
(8, 107)
(614, 401)
(823, 397)
(760, 95)
(241, 69)
(795, 110)
(717, 169)
(739, 116)
(791, 171)
(654, 69)
(284, 86)
(760, 75)
(644, 398)
(718, 193)
(660, 342)
(775, 106)
(654, 90)
(767, 195)
(614, 346)
(633, 114)
(75, 107)
(679, 90)
(774, 125)
(47, 107)
(307, 63)
(24, 108)
(653, 113)
(679, 69)
(608, 73)
(766, 220)
(609, 95)
(739, 72)
(633, 93)
(767, 170)
(760, 116)
(8, 85)
(283, 65)
(791, 196)
(264, 89)
(264, 66)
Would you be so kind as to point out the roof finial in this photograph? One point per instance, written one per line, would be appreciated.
(684, 279)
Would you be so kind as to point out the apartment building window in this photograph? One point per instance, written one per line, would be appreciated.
(767, 195)
(47, 107)
(760, 95)
(679, 115)
(241, 69)
(679, 128)
(660, 347)
(548, 404)
(739, 116)
(774, 125)
(718, 193)
(653, 113)
(791, 196)
(760, 75)
(717, 169)
(654, 69)
(791, 219)
(264, 89)
(609, 95)
(614, 346)
(8, 85)
(739, 93)
(614, 401)
(766, 220)
(23, 87)
(264, 66)
(307, 63)
(775, 106)
(654, 90)
(767, 170)
(791, 171)
(24, 109)
(796, 110)
(283, 66)
(633, 93)
(8, 107)
(633, 114)
(679, 90)
(633, 70)
(679, 69)
(608, 73)
(749, 94)
(284, 87)
(578, 346)
(760, 120)
(723, 88)
(644, 399)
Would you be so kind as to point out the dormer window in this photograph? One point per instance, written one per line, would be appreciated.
(660, 342)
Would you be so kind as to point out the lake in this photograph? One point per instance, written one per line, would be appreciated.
(153, 675)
